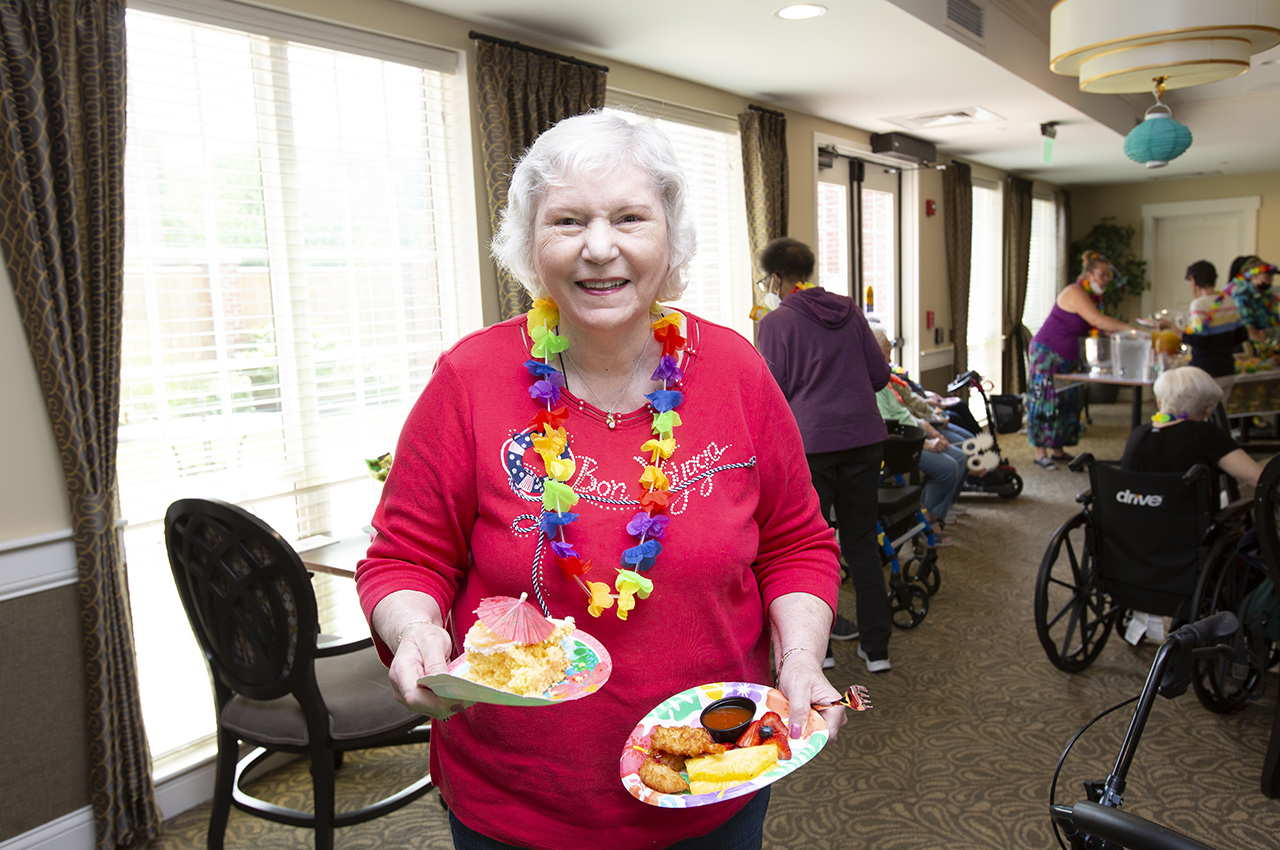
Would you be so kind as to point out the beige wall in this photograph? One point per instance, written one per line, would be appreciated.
(42, 683)
(1090, 204)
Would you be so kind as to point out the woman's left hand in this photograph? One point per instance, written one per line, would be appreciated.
(803, 684)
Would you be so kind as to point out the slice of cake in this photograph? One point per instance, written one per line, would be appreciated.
(527, 669)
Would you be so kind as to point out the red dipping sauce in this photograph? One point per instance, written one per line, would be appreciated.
(726, 716)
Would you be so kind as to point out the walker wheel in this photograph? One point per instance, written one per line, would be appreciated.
(923, 568)
(909, 603)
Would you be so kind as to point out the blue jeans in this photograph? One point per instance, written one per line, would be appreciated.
(743, 831)
(943, 477)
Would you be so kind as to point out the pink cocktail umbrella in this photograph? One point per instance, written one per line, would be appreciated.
(514, 619)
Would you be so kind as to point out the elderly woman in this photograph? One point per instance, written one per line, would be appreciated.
(942, 463)
(1250, 288)
(548, 454)
(1214, 329)
(1179, 435)
(1053, 415)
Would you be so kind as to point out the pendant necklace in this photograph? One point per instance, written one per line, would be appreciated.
(610, 419)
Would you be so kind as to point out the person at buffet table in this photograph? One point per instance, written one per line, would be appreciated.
(1214, 329)
(1053, 413)
(625, 463)
(1250, 288)
(820, 349)
(1180, 434)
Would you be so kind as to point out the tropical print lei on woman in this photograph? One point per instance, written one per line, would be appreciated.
(649, 524)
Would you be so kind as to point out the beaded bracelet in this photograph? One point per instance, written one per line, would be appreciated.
(783, 660)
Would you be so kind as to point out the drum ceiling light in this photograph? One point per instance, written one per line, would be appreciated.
(1120, 47)
(1158, 138)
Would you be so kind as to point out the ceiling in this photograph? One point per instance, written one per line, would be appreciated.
(877, 64)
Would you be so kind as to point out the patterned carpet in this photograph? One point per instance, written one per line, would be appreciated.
(967, 727)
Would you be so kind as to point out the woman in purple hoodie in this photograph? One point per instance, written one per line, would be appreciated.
(820, 350)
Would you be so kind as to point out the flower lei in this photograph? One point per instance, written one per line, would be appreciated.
(802, 286)
(649, 525)
(1161, 418)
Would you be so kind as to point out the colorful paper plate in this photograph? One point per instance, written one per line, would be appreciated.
(683, 709)
(589, 669)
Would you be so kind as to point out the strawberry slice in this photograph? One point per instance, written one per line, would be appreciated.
(774, 731)
(750, 736)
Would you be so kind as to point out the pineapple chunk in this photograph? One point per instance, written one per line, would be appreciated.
(697, 787)
(734, 766)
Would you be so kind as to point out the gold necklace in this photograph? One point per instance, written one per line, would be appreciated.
(610, 419)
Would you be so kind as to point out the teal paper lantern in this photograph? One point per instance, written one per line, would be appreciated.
(1157, 139)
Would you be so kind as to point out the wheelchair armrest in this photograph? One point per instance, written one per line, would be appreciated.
(1079, 462)
(1233, 512)
(329, 645)
(1084, 497)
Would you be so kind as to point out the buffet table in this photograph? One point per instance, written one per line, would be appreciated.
(1066, 380)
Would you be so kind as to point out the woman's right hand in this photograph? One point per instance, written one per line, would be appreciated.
(423, 650)
(411, 626)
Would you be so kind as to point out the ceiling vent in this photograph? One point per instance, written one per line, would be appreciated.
(902, 147)
(968, 16)
(946, 118)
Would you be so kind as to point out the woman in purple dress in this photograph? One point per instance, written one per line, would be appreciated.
(1053, 414)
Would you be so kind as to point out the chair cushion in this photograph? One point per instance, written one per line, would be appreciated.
(356, 690)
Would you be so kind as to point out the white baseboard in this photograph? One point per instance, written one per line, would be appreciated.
(73, 831)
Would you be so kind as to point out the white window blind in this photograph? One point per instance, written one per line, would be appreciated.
(709, 149)
(296, 229)
(985, 289)
(1042, 274)
(833, 238)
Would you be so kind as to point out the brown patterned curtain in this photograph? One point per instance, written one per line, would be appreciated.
(521, 92)
(957, 223)
(1017, 262)
(62, 127)
(766, 175)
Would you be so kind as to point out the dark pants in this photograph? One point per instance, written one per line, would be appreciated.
(743, 831)
(846, 481)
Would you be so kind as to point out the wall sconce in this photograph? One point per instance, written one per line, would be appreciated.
(1158, 138)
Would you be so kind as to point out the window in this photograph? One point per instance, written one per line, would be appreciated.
(296, 221)
(833, 237)
(1042, 275)
(709, 149)
(880, 246)
(985, 289)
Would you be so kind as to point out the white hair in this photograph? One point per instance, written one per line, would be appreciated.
(1187, 391)
(594, 142)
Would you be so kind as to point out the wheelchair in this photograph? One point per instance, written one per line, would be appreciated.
(1152, 542)
(902, 530)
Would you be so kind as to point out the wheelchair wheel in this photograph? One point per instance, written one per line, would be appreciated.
(1073, 617)
(1222, 684)
(908, 602)
(922, 566)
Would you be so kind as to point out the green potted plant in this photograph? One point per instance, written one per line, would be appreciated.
(1115, 242)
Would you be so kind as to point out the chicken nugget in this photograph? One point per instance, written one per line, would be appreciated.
(661, 778)
(684, 740)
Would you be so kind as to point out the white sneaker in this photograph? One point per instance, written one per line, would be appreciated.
(879, 665)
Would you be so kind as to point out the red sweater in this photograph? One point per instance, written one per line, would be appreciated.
(457, 520)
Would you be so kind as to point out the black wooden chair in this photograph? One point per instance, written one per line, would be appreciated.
(277, 684)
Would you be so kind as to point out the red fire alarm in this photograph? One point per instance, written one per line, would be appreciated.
(930, 207)
(928, 318)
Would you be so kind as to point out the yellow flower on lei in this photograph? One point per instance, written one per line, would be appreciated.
(662, 449)
(654, 479)
(561, 468)
(600, 598)
(550, 443)
(631, 585)
(544, 313)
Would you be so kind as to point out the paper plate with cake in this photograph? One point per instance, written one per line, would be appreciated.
(656, 767)
(513, 655)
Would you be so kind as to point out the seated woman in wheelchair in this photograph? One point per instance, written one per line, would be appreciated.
(942, 464)
(1180, 435)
